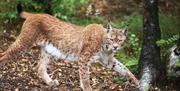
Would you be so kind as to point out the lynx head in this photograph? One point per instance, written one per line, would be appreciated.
(115, 38)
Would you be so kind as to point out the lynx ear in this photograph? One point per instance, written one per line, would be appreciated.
(125, 31)
(109, 28)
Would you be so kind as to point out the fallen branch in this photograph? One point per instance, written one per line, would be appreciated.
(131, 76)
(124, 71)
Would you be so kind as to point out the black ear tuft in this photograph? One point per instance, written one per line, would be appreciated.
(109, 28)
(125, 31)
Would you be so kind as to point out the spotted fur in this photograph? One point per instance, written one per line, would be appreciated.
(69, 42)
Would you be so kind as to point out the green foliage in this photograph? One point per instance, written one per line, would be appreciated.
(178, 64)
(165, 42)
(129, 61)
(169, 26)
(132, 61)
(65, 9)
(118, 80)
(7, 12)
(134, 44)
(68, 10)
(134, 22)
(146, 88)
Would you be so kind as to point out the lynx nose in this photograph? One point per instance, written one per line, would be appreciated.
(115, 46)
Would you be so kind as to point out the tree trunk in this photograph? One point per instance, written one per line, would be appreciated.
(149, 63)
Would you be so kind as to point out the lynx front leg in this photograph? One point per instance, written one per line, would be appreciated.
(42, 69)
(84, 74)
(114, 64)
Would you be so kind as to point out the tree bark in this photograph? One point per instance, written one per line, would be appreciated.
(149, 63)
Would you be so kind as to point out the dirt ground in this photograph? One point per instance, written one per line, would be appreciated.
(21, 74)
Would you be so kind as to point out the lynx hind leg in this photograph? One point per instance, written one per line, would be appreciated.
(14, 50)
(42, 69)
(3, 59)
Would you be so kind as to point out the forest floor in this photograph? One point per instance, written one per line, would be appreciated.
(21, 74)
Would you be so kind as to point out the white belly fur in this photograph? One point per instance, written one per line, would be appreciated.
(55, 52)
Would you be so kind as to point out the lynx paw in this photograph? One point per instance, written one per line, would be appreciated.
(53, 83)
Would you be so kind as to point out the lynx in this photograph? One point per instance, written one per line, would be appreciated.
(68, 42)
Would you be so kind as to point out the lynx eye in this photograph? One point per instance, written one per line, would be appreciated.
(120, 40)
(111, 39)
